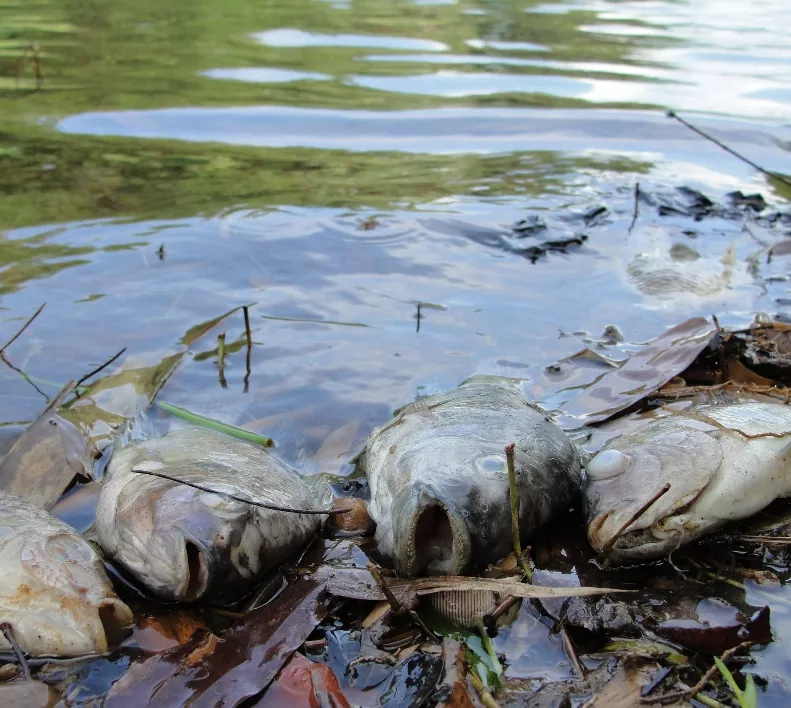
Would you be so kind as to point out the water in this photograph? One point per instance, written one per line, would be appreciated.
(337, 163)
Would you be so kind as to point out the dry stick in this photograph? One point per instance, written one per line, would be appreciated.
(395, 605)
(514, 494)
(24, 327)
(700, 685)
(273, 507)
(249, 336)
(8, 631)
(776, 540)
(221, 359)
(780, 178)
(636, 206)
(492, 617)
(99, 368)
(571, 651)
(645, 507)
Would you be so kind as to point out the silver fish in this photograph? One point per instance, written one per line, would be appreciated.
(722, 463)
(54, 591)
(439, 482)
(187, 544)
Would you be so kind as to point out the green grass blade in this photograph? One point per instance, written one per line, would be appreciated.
(217, 425)
(750, 695)
(731, 681)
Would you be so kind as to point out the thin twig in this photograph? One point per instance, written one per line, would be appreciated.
(23, 375)
(100, 368)
(700, 685)
(645, 507)
(772, 540)
(221, 359)
(780, 178)
(246, 310)
(24, 327)
(492, 617)
(8, 632)
(395, 605)
(571, 651)
(636, 206)
(273, 507)
(420, 623)
(514, 494)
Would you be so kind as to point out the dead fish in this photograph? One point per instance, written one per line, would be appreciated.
(54, 591)
(680, 477)
(187, 544)
(439, 482)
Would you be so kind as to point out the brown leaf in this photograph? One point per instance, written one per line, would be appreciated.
(46, 458)
(716, 639)
(305, 683)
(644, 372)
(624, 689)
(156, 634)
(230, 670)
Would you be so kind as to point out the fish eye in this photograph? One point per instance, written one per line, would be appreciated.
(608, 463)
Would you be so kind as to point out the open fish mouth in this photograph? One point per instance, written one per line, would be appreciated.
(430, 537)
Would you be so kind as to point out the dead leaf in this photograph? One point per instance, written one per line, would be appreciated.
(154, 634)
(47, 457)
(624, 689)
(305, 683)
(643, 373)
(717, 638)
(233, 669)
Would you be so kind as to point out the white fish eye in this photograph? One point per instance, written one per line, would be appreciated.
(608, 463)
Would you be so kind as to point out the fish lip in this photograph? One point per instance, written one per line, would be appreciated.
(422, 499)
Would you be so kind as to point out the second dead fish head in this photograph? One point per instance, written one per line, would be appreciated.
(439, 480)
(677, 478)
(187, 544)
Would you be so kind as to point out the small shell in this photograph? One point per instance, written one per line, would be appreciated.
(467, 608)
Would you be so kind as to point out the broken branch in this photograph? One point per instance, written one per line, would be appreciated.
(99, 368)
(780, 178)
(514, 494)
(24, 327)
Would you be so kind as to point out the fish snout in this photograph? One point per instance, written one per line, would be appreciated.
(431, 537)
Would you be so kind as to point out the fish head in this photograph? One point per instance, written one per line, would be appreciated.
(184, 543)
(639, 488)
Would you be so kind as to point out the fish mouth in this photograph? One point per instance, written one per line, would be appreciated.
(196, 566)
(429, 537)
(610, 540)
(116, 619)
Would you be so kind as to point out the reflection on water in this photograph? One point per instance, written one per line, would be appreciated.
(337, 163)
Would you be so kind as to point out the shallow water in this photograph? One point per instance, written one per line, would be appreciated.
(338, 163)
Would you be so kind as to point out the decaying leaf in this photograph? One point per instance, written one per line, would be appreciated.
(643, 373)
(717, 638)
(304, 683)
(46, 458)
(230, 670)
(154, 634)
(624, 688)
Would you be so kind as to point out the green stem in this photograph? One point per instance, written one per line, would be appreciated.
(514, 494)
(212, 424)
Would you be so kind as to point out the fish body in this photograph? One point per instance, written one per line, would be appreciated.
(54, 591)
(722, 463)
(439, 482)
(188, 544)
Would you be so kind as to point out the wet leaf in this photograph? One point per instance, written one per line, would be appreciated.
(643, 373)
(716, 639)
(46, 458)
(231, 669)
(304, 683)
(625, 687)
(154, 634)
(193, 334)
(413, 681)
